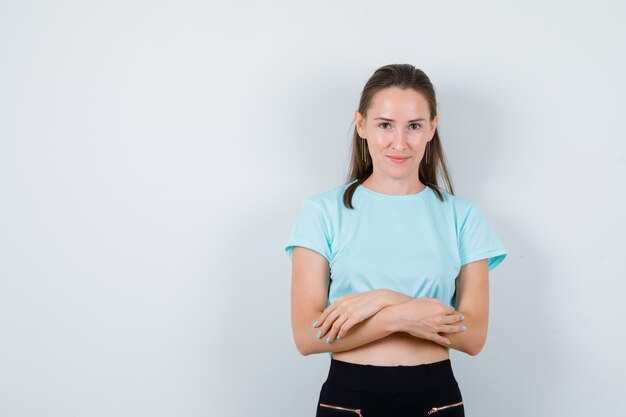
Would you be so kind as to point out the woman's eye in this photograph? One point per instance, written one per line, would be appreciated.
(383, 123)
(416, 124)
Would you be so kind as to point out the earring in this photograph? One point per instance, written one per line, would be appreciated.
(363, 155)
(427, 151)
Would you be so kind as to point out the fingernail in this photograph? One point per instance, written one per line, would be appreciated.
(319, 334)
(315, 324)
(328, 339)
(463, 328)
(448, 342)
(338, 337)
(462, 318)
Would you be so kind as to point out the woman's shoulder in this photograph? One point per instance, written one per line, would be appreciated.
(456, 202)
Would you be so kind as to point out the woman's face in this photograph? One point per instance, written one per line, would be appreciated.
(397, 125)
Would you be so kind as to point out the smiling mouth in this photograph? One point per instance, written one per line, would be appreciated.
(398, 159)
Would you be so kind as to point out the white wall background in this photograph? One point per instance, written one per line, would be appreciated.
(153, 156)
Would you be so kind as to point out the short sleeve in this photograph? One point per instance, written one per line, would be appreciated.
(310, 230)
(479, 240)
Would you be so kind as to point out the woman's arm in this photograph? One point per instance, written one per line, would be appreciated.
(309, 291)
(472, 289)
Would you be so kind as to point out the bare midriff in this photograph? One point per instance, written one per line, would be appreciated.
(395, 349)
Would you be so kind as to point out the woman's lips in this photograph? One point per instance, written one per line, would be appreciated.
(398, 160)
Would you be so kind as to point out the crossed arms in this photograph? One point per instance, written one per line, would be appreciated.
(362, 318)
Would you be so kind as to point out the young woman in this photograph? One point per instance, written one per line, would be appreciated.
(390, 271)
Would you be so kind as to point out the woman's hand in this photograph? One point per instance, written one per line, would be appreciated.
(349, 310)
(426, 317)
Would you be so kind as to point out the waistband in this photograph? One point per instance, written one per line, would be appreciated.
(398, 378)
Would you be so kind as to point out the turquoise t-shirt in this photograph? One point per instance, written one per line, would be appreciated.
(414, 244)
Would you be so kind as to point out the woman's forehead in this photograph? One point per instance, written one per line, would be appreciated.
(395, 103)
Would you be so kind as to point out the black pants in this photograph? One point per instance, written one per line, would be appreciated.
(390, 391)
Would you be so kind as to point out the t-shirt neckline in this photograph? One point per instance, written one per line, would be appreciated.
(395, 196)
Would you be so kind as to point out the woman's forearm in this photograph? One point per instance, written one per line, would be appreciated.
(472, 340)
(380, 325)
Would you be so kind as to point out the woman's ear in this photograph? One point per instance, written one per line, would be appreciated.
(358, 121)
(434, 124)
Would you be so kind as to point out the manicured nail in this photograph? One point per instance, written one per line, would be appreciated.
(315, 324)
(463, 328)
(448, 342)
(328, 339)
(338, 336)
(462, 318)
(319, 334)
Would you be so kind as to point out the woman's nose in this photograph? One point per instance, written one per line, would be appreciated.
(400, 140)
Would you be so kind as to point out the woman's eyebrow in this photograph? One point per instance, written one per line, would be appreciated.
(391, 120)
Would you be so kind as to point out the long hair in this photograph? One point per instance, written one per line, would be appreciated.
(403, 76)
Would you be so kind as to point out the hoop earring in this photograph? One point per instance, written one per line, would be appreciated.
(363, 155)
